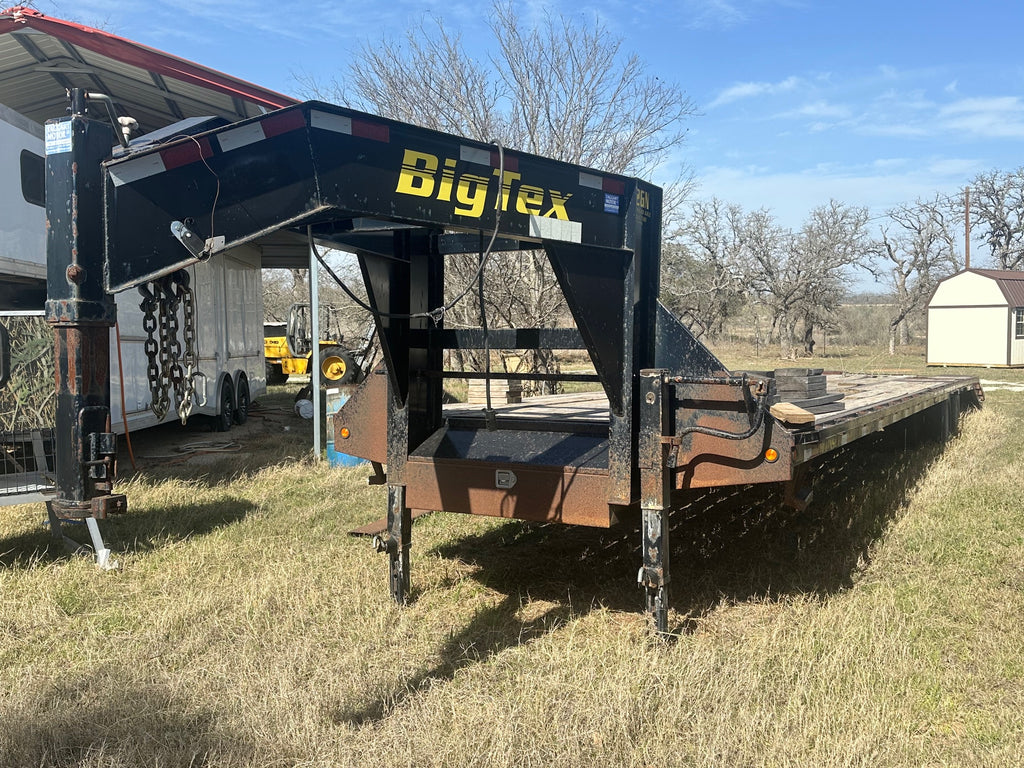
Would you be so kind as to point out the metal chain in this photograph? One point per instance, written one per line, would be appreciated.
(168, 367)
(175, 372)
(151, 306)
(191, 357)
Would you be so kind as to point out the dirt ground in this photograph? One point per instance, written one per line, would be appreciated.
(273, 429)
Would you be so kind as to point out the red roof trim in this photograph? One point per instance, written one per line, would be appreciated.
(138, 55)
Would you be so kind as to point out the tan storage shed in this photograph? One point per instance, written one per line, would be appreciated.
(976, 317)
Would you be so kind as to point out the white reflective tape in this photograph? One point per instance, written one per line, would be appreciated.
(328, 122)
(548, 228)
(133, 170)
(474, 155)
(590, 180)
(240, 137)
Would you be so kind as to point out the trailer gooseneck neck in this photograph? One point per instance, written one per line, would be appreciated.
(403, 198)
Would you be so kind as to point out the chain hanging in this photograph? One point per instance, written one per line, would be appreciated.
(186, 297)
(168, 367)
(152, 312)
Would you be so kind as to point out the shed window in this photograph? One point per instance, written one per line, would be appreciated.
(1018, 323)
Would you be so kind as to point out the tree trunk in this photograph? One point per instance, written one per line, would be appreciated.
(787, 330)
(809, 338)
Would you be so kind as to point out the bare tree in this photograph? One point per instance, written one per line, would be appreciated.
(701, 281)
(800, 278)
(914, 251)
(831, 241)
(997, 205)
(562, 88)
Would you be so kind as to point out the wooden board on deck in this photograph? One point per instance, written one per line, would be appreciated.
(861, 393)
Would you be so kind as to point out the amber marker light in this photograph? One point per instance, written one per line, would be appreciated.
(771, 455)
(345, 433)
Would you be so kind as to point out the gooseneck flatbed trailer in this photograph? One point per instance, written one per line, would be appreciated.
(669, 417)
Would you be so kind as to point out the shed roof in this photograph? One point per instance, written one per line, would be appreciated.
(1010, 282)
(41, 57)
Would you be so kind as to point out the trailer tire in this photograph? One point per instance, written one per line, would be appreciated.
(242, 400)
(275, 374)
(337, 366)
(226, 403)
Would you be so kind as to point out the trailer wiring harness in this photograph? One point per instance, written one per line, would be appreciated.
(437, 314)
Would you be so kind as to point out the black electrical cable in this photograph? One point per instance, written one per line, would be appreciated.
(437, 314)
(488, 410)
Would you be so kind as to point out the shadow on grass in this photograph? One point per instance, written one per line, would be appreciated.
(131, 532)
(728, 545)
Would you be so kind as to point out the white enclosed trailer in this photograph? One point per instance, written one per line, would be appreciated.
(227, 290)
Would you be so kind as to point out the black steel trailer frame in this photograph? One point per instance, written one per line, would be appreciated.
(404, 198)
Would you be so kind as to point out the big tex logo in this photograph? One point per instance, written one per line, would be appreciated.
(425, 175)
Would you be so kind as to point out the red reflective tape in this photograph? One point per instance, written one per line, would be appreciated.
(511, 161)
(614, 186)
(185, 153)
(285, 122)
(374, 131)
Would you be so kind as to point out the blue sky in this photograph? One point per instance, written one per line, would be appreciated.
(867, 102)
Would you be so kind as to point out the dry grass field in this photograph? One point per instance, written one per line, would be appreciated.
(246, 627)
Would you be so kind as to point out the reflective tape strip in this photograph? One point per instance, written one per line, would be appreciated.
(185, 153)
(239, 137)
(614, 186)
(268, 127)
(475, 155)
(133, 170)
(361, 129)
(328, 122)
(548, 228)
(611, 186)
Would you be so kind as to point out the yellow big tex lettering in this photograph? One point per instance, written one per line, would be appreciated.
(424, 175)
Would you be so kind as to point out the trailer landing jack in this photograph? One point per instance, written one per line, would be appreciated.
(100, 552)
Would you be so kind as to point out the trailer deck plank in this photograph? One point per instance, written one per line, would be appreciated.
(862, 393)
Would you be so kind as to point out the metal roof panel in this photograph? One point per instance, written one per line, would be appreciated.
(40, 57)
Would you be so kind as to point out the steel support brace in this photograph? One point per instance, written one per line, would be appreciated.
(655, 494)
(398, 543)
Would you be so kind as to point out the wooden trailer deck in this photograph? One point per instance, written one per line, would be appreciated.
(871, 402)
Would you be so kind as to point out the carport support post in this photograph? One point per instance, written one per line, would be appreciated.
(80, 312)
(655, 494)
(314, 361)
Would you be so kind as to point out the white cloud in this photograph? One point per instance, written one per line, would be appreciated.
(753, 89)
(994, 117)
(819, 109)
(714, 13)
(877, 185)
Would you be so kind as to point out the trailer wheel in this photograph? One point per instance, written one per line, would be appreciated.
(226, 415)
(337, 366)
(275, 374)
(242, 400)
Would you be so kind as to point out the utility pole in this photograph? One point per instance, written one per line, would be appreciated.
(967, 227)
